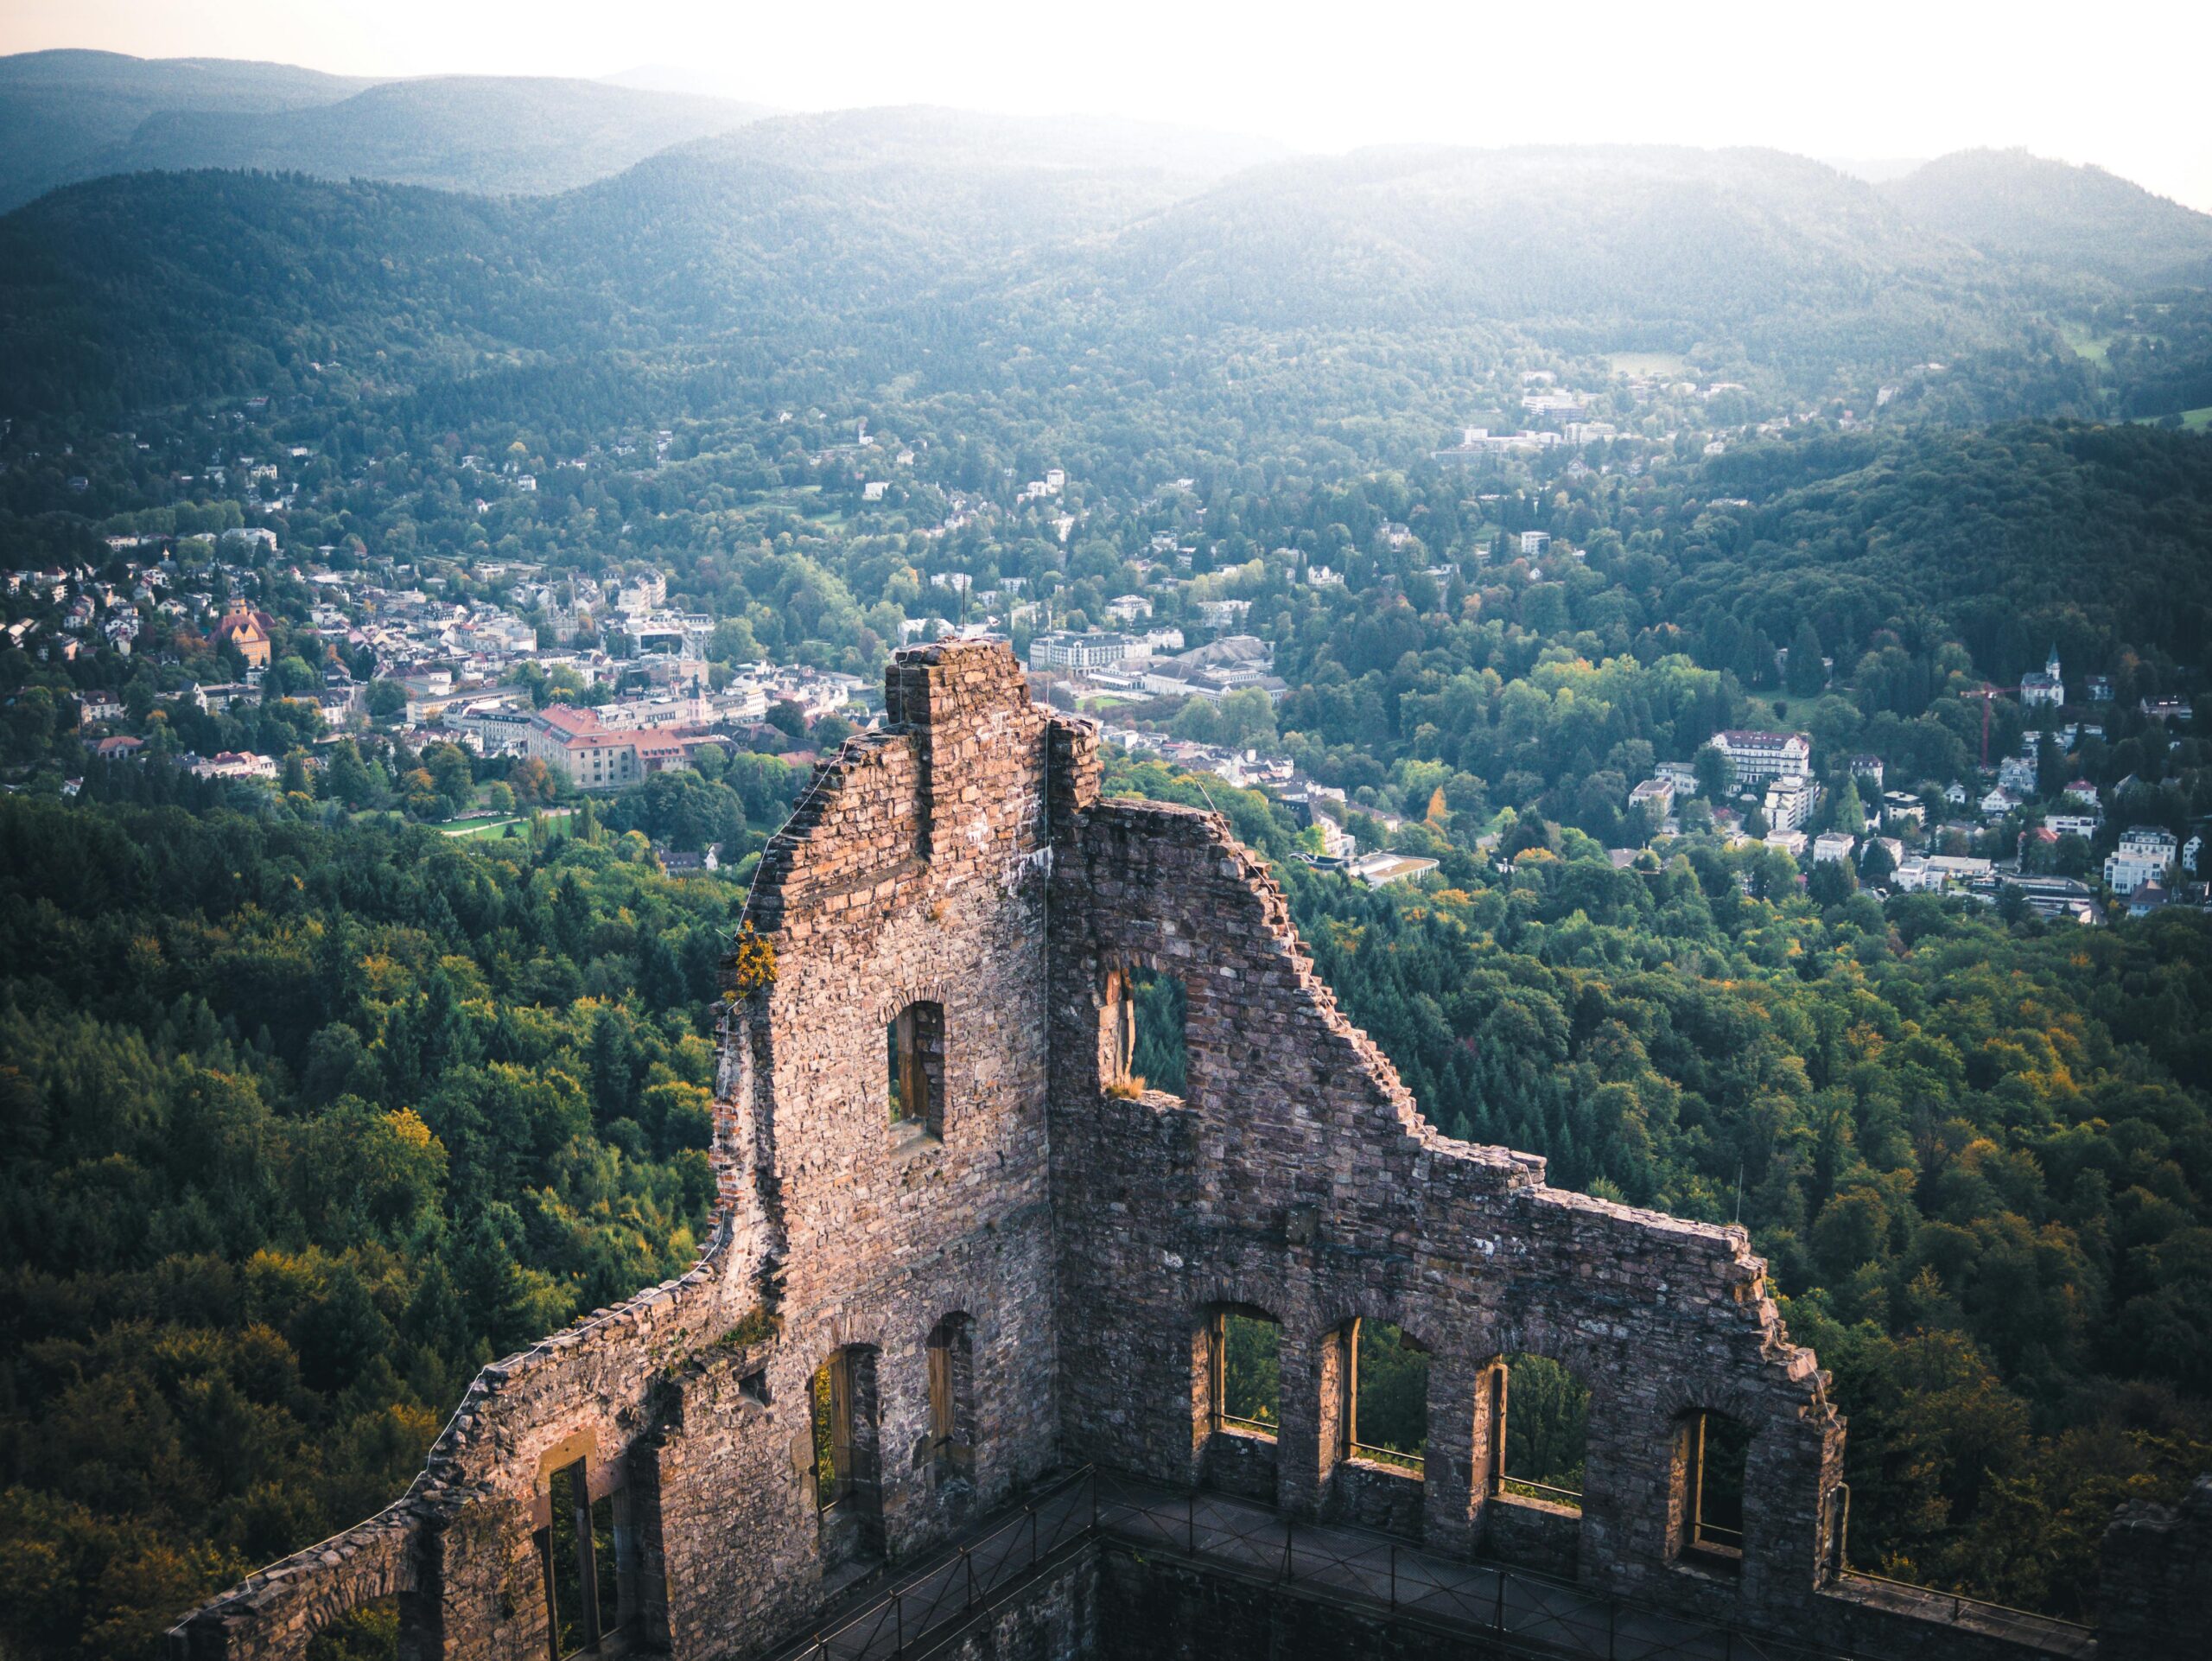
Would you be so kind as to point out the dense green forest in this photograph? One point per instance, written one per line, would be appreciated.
(305, 1125)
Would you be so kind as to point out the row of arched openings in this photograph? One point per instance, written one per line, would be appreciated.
(850, 1459)
(1376, 1377)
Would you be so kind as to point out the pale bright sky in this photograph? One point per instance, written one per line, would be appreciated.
(2121, 86)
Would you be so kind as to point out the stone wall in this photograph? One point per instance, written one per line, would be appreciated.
(1297, 1177)
(1081, 1232)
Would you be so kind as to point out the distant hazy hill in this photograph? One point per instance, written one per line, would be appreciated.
(492, 135)
(1683, 241)
(2023, 208)
(95, 113)
(920, 240)
(845, 217)
(808, 228)
(57, 109)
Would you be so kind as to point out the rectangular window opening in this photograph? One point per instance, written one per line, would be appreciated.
(1715, 1449)
(1246, 1375)
(833, 1449)
(1386, 1390)
(1540, 1431)
(914, 1047)
(584, 1550)
(1145, 1011)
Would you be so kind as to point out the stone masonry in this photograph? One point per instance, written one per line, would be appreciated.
(1047, 1243)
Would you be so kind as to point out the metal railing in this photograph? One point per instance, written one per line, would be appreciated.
(2048, 1632)
(933, 1600)
(1524, 1611)
(1395, 1457)
(1521, 1487)
(1521, 1611)
(1257, 1427)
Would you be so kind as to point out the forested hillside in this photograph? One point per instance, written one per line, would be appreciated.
(907, 244)
(72, 115)
(59, 109)
(2070, 221)
(493, 134)
(304, 1125)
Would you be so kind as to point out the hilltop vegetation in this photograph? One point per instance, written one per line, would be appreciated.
(490, 134)
(67, 115)
(59, 109)
(304, 1125)
(2070, 221)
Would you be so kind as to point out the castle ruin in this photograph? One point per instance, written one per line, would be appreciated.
(913, 1320)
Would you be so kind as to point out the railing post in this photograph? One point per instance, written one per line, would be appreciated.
(1394, 1574)
(1612, 1618)
(967, 1568)
(1498, 1619)
(1030, 1512)
(1190, 1522)
(1289, 1539)
(898, 1623)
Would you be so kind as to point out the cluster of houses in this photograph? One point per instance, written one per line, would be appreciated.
(1154, 664)
(1776, 768)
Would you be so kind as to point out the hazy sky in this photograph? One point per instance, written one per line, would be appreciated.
(2121, 86)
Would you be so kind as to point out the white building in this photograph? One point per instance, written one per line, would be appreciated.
(1379, 870)
(1064, 650)
(1757, 757)
(1790, 802)
(2145, 854)
(2046, 690)
(1129, 608)
(1937, 871)
(1833, 845)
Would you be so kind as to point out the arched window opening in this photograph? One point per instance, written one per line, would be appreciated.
(1386, 1396)
(952, 1397)
(1246, 1376)
(914, 1042)
(1710, 1451)
(369, 1631)
(847, 1491)
(1144, 1016)
(585, 1548)
(1540, 1431)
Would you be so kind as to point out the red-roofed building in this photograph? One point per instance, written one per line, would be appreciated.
(592, 755)
(248, 630)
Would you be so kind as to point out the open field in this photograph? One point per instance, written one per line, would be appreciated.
(556, 822)
(1648, 363)
(2193, 421)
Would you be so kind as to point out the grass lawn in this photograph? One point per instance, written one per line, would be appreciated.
(2083, 342)
(2192, 421)
(1649, 363)
(494, 825)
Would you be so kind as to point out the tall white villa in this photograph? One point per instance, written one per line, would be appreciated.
(2045, 689)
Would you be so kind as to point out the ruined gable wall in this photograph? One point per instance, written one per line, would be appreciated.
(915, 867)
(1297, 1176)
